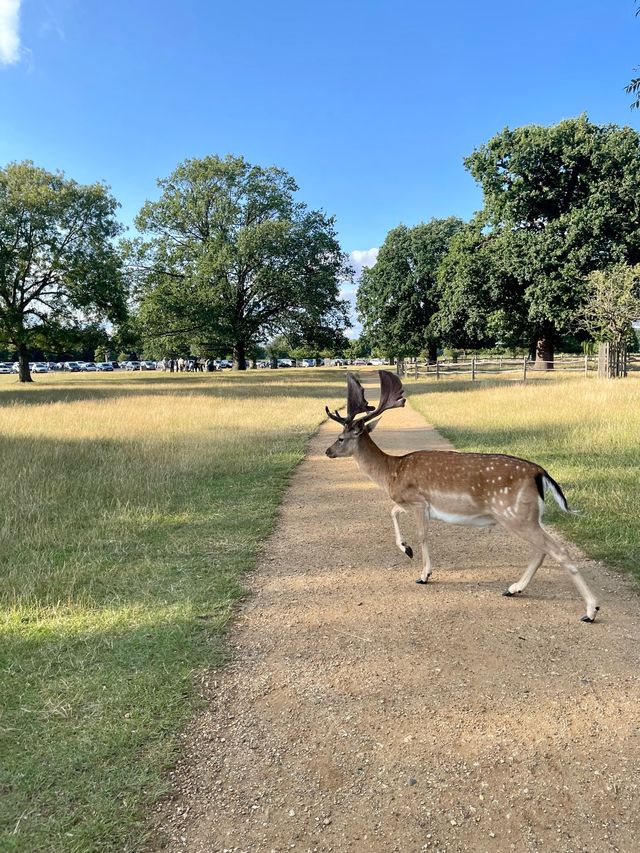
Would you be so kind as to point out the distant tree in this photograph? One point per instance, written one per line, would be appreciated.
(58, 262)
(233, 259)
(479, 302)
(611, 303)
(559, 202)
(398, 296)
(357, 348)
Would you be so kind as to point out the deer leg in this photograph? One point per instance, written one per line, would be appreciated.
(536, 561)
(421, 518)
(402, 545)
(559, 553)
(534, 533)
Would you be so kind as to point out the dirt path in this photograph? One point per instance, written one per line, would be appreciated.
(363, 712)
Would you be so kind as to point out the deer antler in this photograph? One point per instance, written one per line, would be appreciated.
(391, 396)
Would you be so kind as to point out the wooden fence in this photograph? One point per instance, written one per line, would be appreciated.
(512, 368)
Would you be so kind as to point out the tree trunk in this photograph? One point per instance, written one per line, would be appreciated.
(239, 358)
(24, 374)
(432, 350)
(544, 346)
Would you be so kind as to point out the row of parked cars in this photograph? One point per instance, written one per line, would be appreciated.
(78, 366)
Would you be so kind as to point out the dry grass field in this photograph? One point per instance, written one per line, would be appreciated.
(130, 507)
(585, 431)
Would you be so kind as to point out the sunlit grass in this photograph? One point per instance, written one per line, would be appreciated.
(130, 507)
(585, 431)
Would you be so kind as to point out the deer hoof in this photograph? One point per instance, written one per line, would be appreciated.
(408, 550)
(421, 581)
(508, 594)
(587, 619)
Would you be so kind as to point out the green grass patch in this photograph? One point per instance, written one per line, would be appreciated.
(584, 431)
(130, 507)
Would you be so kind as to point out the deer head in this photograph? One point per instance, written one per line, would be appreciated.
(354, 427)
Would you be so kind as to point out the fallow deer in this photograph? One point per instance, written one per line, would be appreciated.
(480, 489)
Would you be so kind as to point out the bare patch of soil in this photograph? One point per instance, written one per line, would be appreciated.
(364, 712)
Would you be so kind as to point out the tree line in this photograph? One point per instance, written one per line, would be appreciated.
(558, 231)
(228, 259)
(225, 259)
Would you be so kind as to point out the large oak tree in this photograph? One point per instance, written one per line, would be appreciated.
(559, 202)
(58, 263)
(230, 258)
(398, 296)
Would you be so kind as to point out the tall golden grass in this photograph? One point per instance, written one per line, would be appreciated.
(130, 507)
(584, 430)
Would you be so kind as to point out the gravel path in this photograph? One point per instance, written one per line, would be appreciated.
(363, 712)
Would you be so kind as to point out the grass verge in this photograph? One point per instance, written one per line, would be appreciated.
(130, 507)
(584, 431)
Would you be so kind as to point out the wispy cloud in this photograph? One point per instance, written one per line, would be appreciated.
(9, 36)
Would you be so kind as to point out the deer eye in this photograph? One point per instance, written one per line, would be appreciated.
(340, 438)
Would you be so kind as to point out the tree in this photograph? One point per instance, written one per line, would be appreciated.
(58, 263)
(480, 301)
(559, 202)
(611, 303)
(233, 259)
(398, 296)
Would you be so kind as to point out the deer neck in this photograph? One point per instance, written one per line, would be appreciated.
(375, 463)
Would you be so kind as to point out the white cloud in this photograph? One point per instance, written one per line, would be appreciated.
(363, 258)
(9, 38)
(358, 259)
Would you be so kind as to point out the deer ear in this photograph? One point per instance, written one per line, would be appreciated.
(372, 425)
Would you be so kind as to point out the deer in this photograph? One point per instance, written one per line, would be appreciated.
(478, 489)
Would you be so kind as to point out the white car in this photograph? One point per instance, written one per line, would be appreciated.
(39, 367)
(6, 367)
(104, 367)
(88, 367)
(148, 365)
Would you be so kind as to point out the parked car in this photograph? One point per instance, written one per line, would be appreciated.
(222, 364)
(308, 362)
(73, 366)
(148, 365)
(104, 367)
(115, 364)
(132, 365)
(338, 362)
(6, 367)
(285, 362)
(38, 367)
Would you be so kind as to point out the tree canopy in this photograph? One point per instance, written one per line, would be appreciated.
(58, 263)
(229, 258)
(559, 202)
(612, 303)
(399, 295)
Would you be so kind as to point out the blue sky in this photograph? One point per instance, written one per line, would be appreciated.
(371, 106)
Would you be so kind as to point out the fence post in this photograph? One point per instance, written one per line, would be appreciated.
(586, 365)
(473, 369)
(416, 368)
(524, 369)
(437, 370)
